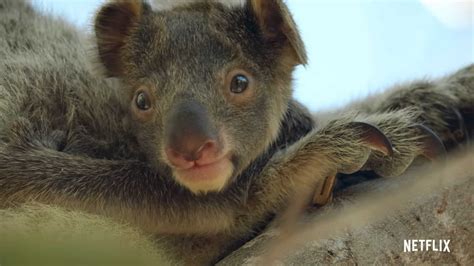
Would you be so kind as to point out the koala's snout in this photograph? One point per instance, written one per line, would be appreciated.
(190, 137)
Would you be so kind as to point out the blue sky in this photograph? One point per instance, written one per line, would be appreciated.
(355, 47)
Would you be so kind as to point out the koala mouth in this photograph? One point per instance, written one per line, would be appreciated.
(199, 170)
(205, 177)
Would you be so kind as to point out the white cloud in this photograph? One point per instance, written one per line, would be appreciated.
(453, 13)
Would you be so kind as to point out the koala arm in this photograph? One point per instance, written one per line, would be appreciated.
(418, 119)
(342, 146)
(385, 143)
(31, 169)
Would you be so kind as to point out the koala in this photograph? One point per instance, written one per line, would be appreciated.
(186, 128)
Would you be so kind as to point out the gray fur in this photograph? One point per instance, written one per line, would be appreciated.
(68, 137)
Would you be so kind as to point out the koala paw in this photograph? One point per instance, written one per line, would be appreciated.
(368, 148)
(354, 143)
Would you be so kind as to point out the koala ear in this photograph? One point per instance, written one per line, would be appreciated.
(112, 26)
(277, 25)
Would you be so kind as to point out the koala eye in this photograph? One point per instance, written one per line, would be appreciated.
(142, 101)
(239, 83)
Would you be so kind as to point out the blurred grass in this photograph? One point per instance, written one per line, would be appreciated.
(44, 235)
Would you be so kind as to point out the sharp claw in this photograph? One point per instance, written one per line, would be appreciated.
(433, 147)
(324, 196)
(374, 138)
(457, 132)
(461, 134)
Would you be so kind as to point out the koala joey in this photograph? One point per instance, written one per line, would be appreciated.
(193, 135)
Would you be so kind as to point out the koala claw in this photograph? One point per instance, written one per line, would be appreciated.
(432, 146)
(373, 138)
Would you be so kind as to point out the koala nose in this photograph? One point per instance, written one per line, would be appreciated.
(189, 136)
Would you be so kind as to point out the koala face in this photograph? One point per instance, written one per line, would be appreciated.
(208, 83)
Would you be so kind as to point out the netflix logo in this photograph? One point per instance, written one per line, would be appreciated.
(426, 245)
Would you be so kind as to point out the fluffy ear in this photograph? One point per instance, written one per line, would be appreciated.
(112, 26)
(277, 25)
